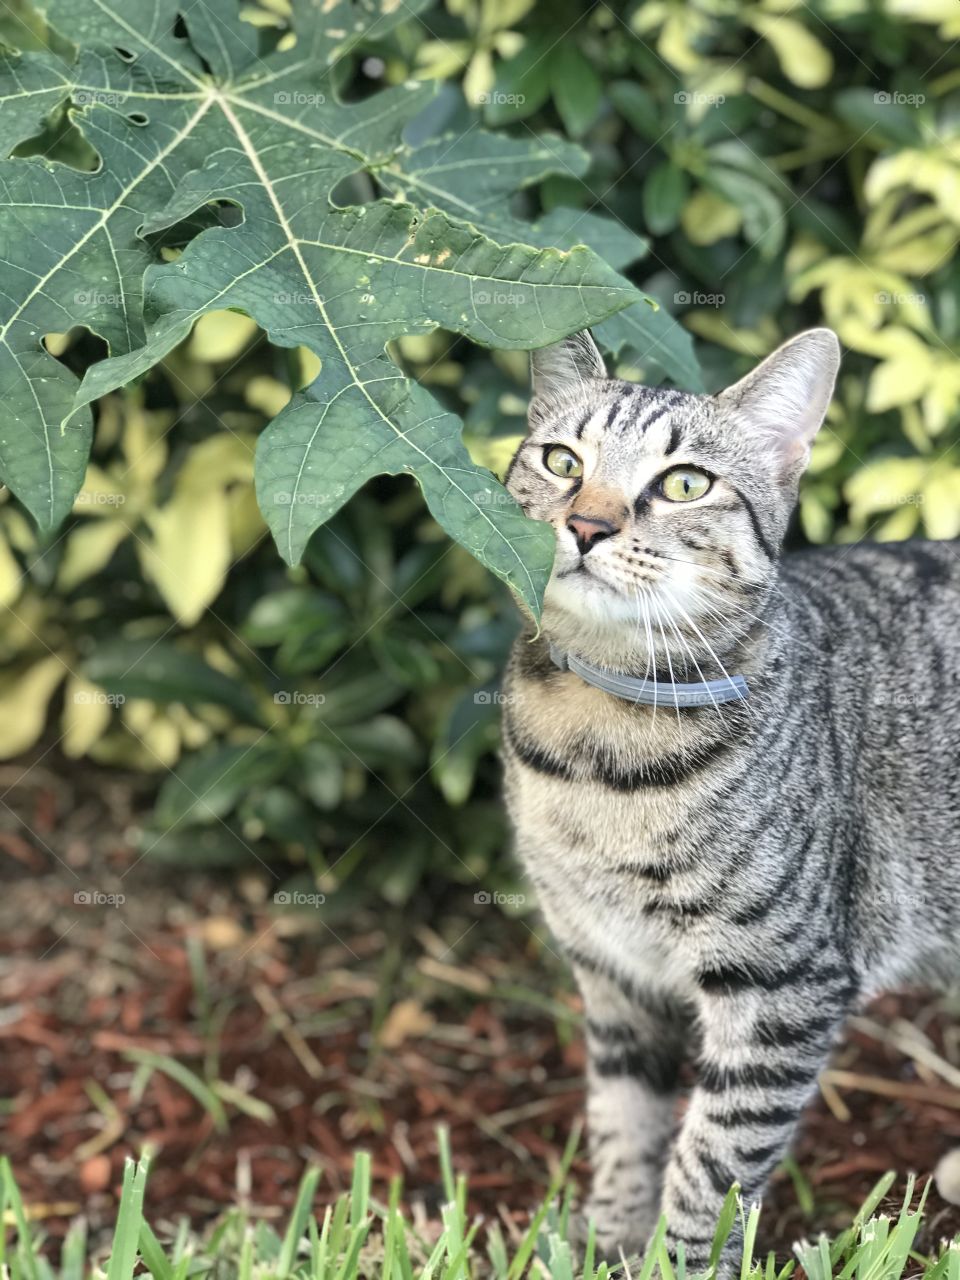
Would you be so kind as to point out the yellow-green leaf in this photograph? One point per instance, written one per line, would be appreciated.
(187, 581)
(89, 549)
(87, 712)
(220, 335)
(707, 218)
(941, 504)
(803, 59)
(23, 705)
(882, 485)
(11, 575)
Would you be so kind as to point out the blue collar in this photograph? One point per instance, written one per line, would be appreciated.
(653, 693)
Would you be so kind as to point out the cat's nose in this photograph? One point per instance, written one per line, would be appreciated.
(589, 530)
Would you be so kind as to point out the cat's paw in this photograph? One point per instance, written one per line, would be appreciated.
(618, 1229)
(696, 1254)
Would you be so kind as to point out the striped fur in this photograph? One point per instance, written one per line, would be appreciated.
(727, 883)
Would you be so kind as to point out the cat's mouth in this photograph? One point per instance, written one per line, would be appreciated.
(581, 569)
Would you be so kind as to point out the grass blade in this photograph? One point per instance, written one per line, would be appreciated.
(126, 1237)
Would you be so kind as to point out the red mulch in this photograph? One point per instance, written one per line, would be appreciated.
(358, 1030)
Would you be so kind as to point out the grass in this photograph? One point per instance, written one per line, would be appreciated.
(360, 1238)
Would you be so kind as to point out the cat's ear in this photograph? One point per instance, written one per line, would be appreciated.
(787, 395)
(566, 366)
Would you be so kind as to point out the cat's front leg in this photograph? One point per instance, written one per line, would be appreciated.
(636, 1042)
(764, 1044)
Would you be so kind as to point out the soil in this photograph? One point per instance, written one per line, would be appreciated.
(327, 1031)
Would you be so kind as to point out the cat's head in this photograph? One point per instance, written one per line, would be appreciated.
(669, 508)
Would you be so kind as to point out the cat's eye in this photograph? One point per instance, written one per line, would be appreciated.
(684, 484)
(562, 462)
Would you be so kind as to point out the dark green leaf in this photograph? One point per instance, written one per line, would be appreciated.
(576, 87)
(664, 194)
(160, 671)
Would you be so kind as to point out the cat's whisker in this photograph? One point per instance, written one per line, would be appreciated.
(685, 644)
(641, 595)
(666, 651)
(652, 651)
(771, 626)
(738, 628)
(709, 647)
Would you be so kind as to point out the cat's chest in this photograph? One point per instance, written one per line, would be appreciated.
(625, 859)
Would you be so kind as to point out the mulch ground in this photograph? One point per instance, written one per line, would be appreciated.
(324, 1033)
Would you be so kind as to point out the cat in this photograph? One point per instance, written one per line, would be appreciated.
(731, 876)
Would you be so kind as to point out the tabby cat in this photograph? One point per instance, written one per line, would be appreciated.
(732, 871)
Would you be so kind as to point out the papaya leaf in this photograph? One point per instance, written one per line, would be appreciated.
(190, 115)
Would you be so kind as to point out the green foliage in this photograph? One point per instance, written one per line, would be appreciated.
(741, 164)
(360, 1238)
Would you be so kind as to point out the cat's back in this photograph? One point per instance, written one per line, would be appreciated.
(888, 587)
(877, 629)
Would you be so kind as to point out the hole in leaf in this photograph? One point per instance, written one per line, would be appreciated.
(356, 188)
(138, 118)
(76, 349)
(60, 140)
(126, 54)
